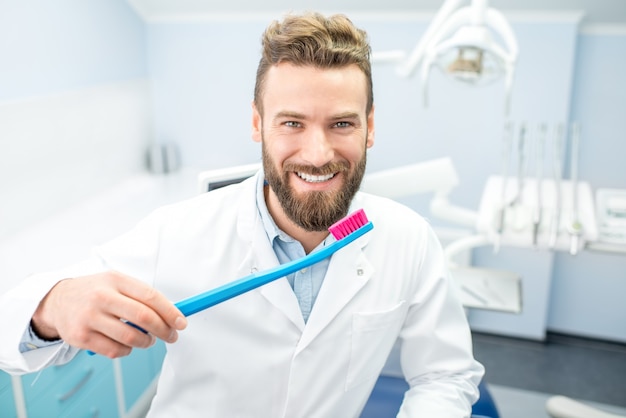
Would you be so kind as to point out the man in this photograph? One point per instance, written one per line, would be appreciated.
(310, 345)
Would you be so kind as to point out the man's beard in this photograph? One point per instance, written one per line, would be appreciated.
(314, 210)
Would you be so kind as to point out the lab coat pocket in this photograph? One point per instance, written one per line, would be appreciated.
(373, 336)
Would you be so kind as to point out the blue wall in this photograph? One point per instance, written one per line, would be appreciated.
(588, 290)
(599, 102)
(50, 47)
(203, 81)
(75, 108)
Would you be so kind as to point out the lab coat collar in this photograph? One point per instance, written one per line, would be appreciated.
(348, 272)
(260, 255)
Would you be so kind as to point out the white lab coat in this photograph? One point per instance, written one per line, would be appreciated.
(253, 356)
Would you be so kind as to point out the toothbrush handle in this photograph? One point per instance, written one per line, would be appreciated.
(220, 294)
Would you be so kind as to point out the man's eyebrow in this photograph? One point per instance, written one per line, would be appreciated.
(345, 115)
(288, 114)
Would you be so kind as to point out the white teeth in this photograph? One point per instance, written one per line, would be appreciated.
(315, 179)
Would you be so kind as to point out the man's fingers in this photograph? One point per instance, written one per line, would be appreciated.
(107, 347)
(144, 319)
(110, 336)
(88, 312)
(157, 303)
(125, 334)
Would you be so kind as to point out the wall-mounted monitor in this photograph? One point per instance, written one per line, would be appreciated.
(214, 179)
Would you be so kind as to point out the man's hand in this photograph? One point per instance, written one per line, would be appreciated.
(85, 312)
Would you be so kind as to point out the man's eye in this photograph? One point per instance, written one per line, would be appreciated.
(343, 124)
(292, 124)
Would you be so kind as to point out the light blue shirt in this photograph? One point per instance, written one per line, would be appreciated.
(305, 283)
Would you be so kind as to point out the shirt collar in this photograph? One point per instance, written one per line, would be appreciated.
(269, 225)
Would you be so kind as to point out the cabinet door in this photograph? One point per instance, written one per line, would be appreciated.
(7, 405)
(157, 353)
(98, 401)
(138, 371)
(58, 389)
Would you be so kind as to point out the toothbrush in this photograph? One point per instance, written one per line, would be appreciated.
(345, 231)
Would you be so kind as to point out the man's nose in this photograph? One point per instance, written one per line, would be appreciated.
(317, 148)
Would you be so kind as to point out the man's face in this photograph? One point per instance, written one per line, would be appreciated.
(314, 133)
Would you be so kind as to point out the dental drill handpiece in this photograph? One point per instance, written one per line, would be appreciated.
(575, 227)
(521, 158)
(521, 148)
(506, 155)
(558, 173)
(539, 176)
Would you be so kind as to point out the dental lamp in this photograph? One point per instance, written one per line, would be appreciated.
(461, 43)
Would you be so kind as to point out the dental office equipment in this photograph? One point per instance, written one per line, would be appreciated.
(542, 212)
(557, 171)
(515, 205)
(575, 227)
(507, 146)
(521, 154)
(539, 174)
(438, 176)
(460, 42)
(481, 288)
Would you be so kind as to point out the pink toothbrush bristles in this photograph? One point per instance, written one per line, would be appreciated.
(349, 224)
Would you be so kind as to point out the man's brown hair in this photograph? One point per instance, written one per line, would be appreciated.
(312, 39)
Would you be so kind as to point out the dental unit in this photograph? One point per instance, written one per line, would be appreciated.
(460, 42)
(542, 213)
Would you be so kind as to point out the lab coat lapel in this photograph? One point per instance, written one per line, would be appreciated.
(261, 256)
(348, 272)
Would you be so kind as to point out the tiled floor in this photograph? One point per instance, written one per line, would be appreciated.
(579, 368)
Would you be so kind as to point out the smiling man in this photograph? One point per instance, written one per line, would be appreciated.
(314, 150)
(309, 345)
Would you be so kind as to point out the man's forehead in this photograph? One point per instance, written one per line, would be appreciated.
(289, 86)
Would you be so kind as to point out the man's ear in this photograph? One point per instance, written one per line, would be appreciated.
(257, 124)
(370, 129)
